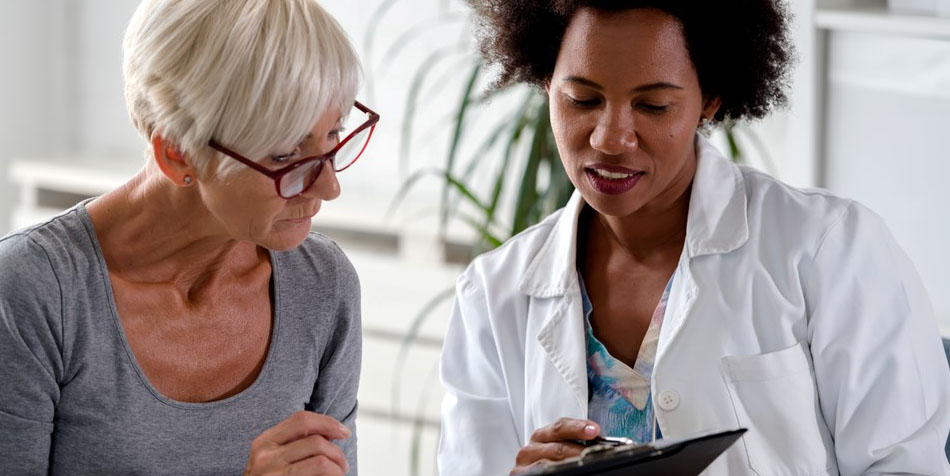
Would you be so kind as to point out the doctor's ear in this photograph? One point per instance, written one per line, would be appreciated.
(711, 107)
(175, 164)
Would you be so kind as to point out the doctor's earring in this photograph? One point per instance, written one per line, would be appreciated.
(705, 126)
(188, 180)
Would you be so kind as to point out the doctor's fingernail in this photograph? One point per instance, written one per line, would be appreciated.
(590, 431)
(345, 431)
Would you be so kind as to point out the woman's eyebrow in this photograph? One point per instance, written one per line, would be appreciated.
(638, 89)
(582, 81)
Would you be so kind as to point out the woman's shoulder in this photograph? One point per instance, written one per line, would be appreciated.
(22, 260)
(45, 246)
(42, 269)
(318, 253)
(317, 263)
(764, 190)
(791, 212)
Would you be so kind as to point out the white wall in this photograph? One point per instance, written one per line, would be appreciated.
(103, 133)
(888, 106)
(35, 110)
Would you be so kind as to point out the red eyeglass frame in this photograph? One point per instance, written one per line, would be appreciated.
(278, 175)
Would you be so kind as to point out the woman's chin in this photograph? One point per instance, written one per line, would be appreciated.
(621, 205)
(286, 238)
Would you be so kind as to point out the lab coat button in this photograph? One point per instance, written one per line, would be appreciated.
(668, 400)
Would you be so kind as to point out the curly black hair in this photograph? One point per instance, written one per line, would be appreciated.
(740, 48)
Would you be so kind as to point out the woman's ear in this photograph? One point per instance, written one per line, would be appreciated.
(711, 107)
(172, 161)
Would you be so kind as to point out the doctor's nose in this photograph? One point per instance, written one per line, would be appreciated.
(614, 134)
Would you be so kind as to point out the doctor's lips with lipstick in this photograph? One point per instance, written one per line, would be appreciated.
(612, 179)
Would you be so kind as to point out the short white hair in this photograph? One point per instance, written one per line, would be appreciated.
(254, 75)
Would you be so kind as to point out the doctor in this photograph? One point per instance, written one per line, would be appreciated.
(677, 292)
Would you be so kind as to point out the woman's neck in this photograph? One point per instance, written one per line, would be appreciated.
(152, 231)
(656, 227)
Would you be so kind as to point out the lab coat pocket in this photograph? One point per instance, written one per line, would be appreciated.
(775, 397)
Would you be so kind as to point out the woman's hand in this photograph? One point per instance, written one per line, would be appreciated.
(299, 445)
(555, 442)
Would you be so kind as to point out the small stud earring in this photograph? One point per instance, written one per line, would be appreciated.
(188, 180)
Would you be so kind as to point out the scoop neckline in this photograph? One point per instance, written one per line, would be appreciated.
(123, 338)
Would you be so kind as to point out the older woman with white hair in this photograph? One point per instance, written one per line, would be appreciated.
(189, 322)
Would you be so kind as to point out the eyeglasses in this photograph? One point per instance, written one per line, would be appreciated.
(296, 178)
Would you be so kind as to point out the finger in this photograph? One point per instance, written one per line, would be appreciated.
(313, 445)
(566, 429)
(547, 451)
(303, 424)
(316, 466)
(521, 469)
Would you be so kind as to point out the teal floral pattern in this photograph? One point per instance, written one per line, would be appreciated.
(619, 397)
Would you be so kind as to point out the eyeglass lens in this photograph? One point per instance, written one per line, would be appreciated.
(351, 150)
(300, 179)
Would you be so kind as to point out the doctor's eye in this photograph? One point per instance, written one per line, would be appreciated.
(654, 108)
(582, 103)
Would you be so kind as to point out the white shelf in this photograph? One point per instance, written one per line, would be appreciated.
(64, 178)
(880, 20)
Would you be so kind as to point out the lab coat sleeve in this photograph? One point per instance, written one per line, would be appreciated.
(882, 376)
(479, 435)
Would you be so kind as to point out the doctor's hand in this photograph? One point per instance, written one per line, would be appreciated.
(555, 442)
(299, 445)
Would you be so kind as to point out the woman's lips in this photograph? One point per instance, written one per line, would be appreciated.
(300, 220)
(612, 179)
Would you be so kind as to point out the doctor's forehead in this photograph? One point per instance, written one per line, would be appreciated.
(633, 43)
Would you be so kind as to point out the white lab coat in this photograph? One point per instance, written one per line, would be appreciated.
(793, 313)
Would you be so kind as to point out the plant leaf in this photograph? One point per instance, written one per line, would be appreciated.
(527, 199)
(406, 186)
(449, 180)
(734, 150)
(457, 135)
(464, 190)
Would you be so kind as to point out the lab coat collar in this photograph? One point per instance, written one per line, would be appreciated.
(717, 223)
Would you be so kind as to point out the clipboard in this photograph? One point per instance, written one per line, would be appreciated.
(687, 456)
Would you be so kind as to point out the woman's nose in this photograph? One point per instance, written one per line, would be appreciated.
(326, 187)
(614, 134)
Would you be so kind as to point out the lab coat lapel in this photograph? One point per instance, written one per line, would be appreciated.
(717, 223)
(717, 220)
(559, 379)
(557, 361)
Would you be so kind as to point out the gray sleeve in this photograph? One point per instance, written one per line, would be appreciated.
(337, 384)
(31, 362)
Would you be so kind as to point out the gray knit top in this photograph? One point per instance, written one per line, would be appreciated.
(73, 399)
